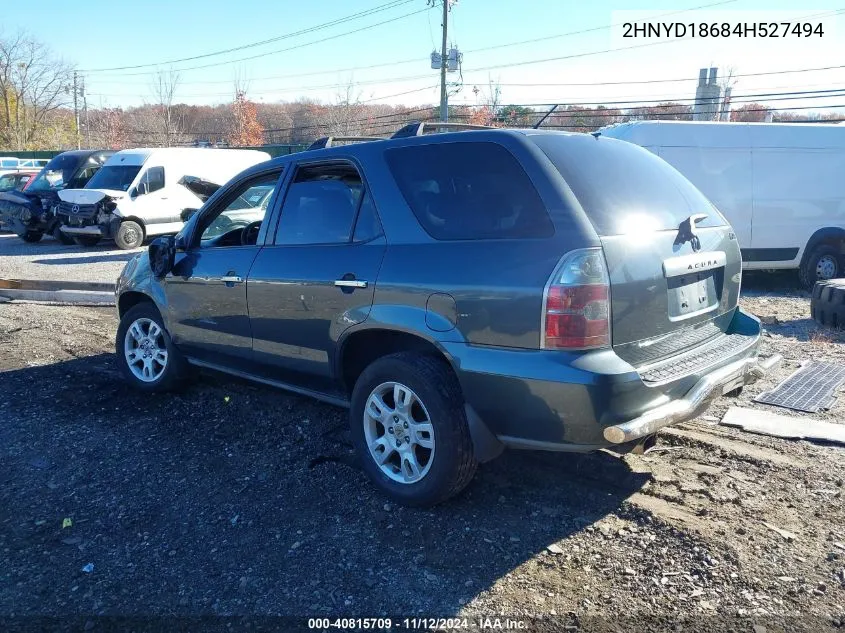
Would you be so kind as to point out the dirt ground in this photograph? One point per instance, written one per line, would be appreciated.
(239, 500)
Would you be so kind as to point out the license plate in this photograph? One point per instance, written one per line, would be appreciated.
(692, 294)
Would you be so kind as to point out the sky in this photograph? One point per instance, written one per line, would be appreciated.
(583, 40)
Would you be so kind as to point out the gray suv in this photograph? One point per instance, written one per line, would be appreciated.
(459, 292)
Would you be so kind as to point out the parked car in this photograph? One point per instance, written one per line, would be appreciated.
(33, 163)
(16, 181)
(459, 292)
(141, 193)
(779, 184)
(32, 212)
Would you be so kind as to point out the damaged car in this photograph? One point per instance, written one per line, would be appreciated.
(32, 213)
(145, 192)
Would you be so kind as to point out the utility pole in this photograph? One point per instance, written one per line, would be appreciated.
(87, 120)
(444, 98)
(76, 108)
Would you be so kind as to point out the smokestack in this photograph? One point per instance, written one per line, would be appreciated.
(713, 73)
(702, 77)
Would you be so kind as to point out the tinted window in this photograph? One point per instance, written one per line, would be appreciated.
(367, 226)
(154, 177)
(466, 191)
(56, 174)
(7, 182)
(116, 177)
(320, 205)
(624, 188)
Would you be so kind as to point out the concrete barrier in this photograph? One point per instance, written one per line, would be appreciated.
(73, 292)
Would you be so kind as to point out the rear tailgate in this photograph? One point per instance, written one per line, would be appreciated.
(671, 290)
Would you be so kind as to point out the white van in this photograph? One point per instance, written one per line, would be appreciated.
(780, 185)
(139, 193)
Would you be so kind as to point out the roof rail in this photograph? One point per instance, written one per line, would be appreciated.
(418, 128)
(331, 141)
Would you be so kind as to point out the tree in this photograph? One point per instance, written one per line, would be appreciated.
(34, 84)
(750, 112)
(109, 128)
(245, 129)
(167, 115)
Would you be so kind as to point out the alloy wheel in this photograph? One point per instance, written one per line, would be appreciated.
(399, 432)
(145, 350)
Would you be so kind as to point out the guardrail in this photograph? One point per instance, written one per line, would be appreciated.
(75, 292)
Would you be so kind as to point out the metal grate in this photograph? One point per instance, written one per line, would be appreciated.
(808, 389)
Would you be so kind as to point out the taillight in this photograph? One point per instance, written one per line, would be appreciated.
(576, 304)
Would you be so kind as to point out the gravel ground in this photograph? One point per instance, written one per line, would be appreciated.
(50, 259)
(235, 499)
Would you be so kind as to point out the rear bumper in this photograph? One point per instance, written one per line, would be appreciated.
(716, 383)
(551, 400)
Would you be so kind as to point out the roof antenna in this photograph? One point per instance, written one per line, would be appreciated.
(596, 134)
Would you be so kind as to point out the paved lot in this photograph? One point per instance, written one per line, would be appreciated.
(234, 499)
(49, 259)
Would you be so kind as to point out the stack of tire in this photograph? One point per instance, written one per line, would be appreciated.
(827, 306)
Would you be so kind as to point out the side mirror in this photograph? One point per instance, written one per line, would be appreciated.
(162, 253)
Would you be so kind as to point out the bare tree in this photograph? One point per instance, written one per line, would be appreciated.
(344, 116)
(168, 116)
(34, 84)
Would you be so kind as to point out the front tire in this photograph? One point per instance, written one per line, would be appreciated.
(410, 430)
(31, 236)
(824, 262)
(61, 236)
(129, 235)
(86, 240)
(147, 357)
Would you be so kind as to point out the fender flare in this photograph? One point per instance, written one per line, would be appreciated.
(822, 235)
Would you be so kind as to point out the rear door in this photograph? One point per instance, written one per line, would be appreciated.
(673, 261)
(318, 277)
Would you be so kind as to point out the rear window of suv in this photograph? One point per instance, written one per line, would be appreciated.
(469, 191)
(624, 188)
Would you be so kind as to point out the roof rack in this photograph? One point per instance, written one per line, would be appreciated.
(418, 128)
(331, 141)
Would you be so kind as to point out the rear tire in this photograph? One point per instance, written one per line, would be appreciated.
(87, 240)
(824, 262)
(143, 347)
(31, 236)
(443, 454)
(129, 235)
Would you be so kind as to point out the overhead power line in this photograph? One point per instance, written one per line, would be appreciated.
(416, 59)
(290, 48)
(355, 16)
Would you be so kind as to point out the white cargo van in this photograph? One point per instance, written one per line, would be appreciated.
(780, 185)
(139, 193)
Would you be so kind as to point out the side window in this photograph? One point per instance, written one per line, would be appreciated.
(242, 210)
(367, 225)
(469, 191)
(154, 179)
(321, 205)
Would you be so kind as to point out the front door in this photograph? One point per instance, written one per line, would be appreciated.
(206, 291)
(318, 276)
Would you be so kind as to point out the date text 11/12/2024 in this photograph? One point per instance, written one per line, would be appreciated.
(417, 624)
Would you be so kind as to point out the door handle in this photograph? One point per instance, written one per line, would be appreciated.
(350, 283)
(232, 279)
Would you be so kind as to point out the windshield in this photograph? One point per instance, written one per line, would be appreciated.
(115, 177)
(56, 174)
(624, 188)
